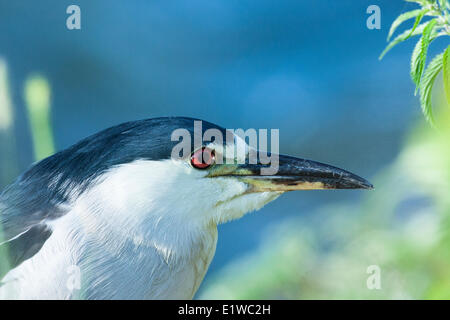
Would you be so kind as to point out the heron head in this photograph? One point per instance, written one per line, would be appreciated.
(161, 170)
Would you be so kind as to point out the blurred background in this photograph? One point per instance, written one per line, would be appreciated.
(309, 68)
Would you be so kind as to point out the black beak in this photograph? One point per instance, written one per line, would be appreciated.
(295, 174)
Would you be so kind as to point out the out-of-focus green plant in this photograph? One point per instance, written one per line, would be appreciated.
(437, 26)
(37, 97)
(8, 167)
(8, 161)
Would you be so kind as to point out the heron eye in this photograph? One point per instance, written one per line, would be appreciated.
(203, 158)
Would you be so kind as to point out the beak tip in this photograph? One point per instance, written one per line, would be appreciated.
(369, 187)
(364, 184)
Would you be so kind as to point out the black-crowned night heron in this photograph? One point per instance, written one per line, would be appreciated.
(121, 214)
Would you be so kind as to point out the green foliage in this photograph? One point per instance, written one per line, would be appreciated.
(402, 37)
(426, 86)
(446, 74)
(8, 162)
(438, 25)
(402, 18)
(37, 97)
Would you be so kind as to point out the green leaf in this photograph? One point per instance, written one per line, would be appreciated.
(402, 37)
(417, 64)
(417, 21)
(446, 74)
(419, 56)
(426, 86)
(402, 18)
(429, 33)
(422, 2)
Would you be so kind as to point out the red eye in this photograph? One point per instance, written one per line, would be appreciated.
(203, 158)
